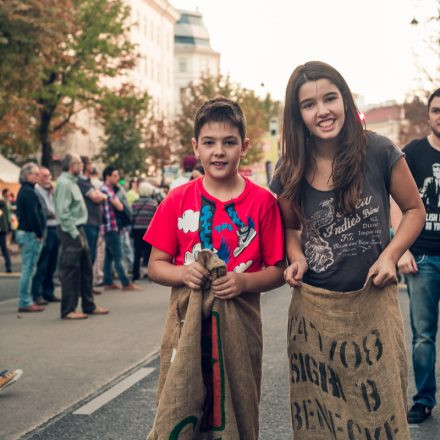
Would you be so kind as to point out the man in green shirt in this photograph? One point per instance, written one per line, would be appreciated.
(75, 264)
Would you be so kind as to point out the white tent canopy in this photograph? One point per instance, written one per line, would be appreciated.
(9, 172)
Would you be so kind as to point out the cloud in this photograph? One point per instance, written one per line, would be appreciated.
(190, 257)
(243, 267)
(189, 222)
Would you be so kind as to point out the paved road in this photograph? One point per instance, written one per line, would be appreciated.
(95, 380)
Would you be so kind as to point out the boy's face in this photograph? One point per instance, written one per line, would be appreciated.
(219, 148)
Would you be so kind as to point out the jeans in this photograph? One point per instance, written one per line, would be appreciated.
(127, 248)
(424, 295)
(42, 283)
(92, 233)
(30, 247)
(113, 253)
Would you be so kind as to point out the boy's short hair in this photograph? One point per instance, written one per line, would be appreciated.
(434, 94)
(220, 109)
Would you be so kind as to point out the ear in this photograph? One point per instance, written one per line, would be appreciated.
(195, 147)
(244, 147)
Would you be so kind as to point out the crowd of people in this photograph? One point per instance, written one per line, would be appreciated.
(78, 230)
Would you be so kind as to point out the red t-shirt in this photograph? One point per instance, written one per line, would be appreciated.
(246, 232)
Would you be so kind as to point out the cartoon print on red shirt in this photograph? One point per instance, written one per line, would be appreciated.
(245, 232)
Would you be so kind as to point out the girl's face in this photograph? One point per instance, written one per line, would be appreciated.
(322, 108)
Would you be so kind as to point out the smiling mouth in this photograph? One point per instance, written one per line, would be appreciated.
(328, 123)
(218, 163)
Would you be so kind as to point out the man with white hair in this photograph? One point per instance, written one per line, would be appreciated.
(43, 286)
(30, 234)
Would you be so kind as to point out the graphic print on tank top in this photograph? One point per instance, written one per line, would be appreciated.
(330, 236)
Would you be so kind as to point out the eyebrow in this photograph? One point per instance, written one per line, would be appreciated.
(325, 96)
(232, 136)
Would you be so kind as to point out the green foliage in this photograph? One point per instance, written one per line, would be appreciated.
(257, 111)
(124, 117)
(25, 40)
(160, 143)
(56, 58)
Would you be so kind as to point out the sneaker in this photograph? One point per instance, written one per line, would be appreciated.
(418, 413)
(8, 378)
(245, 236)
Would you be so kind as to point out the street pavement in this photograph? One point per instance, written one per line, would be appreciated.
(96, 379)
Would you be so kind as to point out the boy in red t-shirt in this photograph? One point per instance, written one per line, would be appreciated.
(220, 211)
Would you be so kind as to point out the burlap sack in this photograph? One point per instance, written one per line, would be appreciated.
(210, 372)
(348, 370)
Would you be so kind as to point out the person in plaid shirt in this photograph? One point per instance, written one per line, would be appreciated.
(112, 236)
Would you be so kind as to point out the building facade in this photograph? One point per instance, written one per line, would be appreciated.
(386, 120)
(152, 31)
(193, 54)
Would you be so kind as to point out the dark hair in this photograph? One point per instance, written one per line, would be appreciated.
(5, 191)
(348, 162)
(434, 94)
(108, 170)
(220, 109)
(85, 160)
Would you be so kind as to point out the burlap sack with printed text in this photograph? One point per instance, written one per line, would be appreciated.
(348, 370)
(210, 372)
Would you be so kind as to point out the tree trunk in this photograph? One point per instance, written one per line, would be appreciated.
(44, 135)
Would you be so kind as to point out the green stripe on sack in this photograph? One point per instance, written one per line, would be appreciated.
(191, 420)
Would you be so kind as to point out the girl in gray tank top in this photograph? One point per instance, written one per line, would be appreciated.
(333, 183)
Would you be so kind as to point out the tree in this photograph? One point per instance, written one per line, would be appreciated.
(95, 47)
(28, 32)
(160, 144)
(416, 120)
(257, 111)
(68, 49)
(415, 105)
(124, 115)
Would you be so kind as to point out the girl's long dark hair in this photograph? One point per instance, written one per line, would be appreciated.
(348, 163)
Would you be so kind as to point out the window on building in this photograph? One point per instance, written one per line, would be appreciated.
(182, 65)
(190, 19)
(183, 39)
